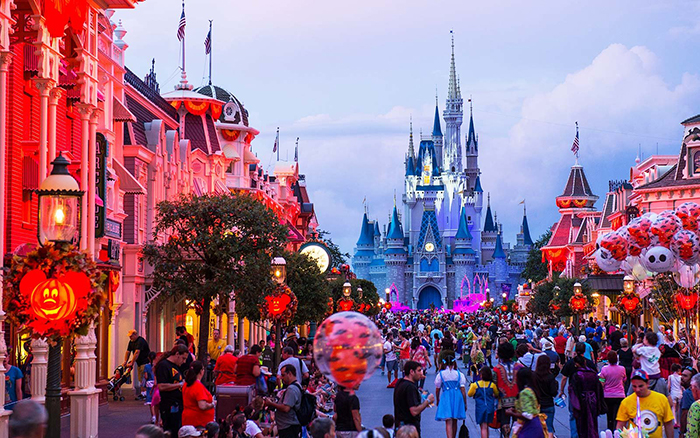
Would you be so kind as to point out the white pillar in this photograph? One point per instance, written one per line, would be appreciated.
(85, 176)
(84, 399)
(231, 315)
(54, 96)
(5, 58)
(40, 350)
(44, 86)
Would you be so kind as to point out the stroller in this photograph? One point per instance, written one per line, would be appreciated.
(121, 376)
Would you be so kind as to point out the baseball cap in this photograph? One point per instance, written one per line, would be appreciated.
(640, 374)
(131, 332)
(186, 431)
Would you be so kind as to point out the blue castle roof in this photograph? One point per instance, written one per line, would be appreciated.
(463, 230)
(477, 185)
(376, 229)
(395, 229)
(366, 233)
(527, 240)
(429, 222)
(489, 225)
(498, 253)
(410, 167)
(437, 131)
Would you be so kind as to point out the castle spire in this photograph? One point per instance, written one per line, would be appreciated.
(411, 152)
(453, 87)
(525, 227)
(437, 130)
(498, 253)
(395, 229)
(366, 232)
(471, 137)
(489, 225)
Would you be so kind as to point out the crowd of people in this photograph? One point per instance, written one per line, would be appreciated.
(517, 370)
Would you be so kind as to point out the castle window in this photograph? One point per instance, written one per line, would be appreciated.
(696, 163)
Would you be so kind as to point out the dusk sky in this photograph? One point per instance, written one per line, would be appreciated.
(345, 77)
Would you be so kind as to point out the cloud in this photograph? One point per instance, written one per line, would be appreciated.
(620, 100)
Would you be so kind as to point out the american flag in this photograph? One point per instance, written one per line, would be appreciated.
(207, 43)
(574, 147)
(277, 141)
(181, 26)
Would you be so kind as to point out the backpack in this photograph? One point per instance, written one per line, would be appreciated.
(307, 407)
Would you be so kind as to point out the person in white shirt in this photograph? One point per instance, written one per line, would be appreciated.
(649, 355)
(392, 364)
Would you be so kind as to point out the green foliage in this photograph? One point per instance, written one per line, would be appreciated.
(546, 292)
(535, 269)
(369, 293)
(310, 287)
(337, 256)
(208, 246)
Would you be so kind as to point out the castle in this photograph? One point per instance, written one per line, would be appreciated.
(437, 250)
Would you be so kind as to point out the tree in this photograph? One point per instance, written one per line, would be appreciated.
(369, 293)
(547, 291)
(207, 246)
(337, 256)
(310, 287)
(536, 269)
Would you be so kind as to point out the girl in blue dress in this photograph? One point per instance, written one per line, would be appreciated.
(485, 394)
(450, 395)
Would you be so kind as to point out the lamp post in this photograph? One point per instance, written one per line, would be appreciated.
(387, 292)
(578, 289)
(59, 198)
(359, 292)
(278, 270)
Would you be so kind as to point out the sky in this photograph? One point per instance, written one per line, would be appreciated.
(346, 77)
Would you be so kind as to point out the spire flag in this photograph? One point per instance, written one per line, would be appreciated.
(181, 26)
(296, 151)
(276, 146)
(207, 41)
(574, 147)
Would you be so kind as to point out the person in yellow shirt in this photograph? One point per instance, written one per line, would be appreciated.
(655, 411)
(216, 345)
(485, 394)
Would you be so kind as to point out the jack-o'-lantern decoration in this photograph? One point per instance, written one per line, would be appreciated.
(686, 298)
(504, 308)
(280, 305)
(578, 302)
(629, 304)
(345, 305)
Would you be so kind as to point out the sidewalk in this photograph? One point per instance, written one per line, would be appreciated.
(117, 419)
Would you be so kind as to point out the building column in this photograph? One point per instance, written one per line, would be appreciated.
(54, 96)
(85, 110)
(230, 317)
(92, 171)
(44, 85)
(5, 59)
(40, 350)
(85, 398)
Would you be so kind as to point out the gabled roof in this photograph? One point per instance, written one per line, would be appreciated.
(395, 229)
(498, 253)
(429, 225)
(670, 179)
(608, 209)
(694, 119)
(577, 184)
(437, 130)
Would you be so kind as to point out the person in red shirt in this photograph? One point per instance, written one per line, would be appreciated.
(560, 346)
(198, 404)
(248, 366)
(225, 369)
(404, 350)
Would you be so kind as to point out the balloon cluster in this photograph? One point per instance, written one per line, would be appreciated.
(668, 242)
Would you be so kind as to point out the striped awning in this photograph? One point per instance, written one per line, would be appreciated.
(120, 113)
(127, 182)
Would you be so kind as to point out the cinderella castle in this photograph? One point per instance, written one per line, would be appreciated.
(442, 247)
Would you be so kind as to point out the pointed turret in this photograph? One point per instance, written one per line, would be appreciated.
(376, 229)
(437, 130)
(366, 233)
(411, 157)
(498, 253)
(452, 86)
(471, 136)
(395, 229)
(525, 229)
(477, 185)
(463, 230)
(489, 225)
(452, 147)
(411, 152)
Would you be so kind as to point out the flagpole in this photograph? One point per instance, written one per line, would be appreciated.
(577, 137)
(278, 145)
(210, 51)
(183, 41)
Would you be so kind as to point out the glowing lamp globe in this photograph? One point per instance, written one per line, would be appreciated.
(59, 205)
(278, 269)
(347, 348)
(347, 289)
(628, 284)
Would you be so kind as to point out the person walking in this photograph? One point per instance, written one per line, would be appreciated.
(586, 398)
(225, 368)
(657, 410)
(408, 403)
(216, 345)
(198, 404)
(170, 383)
(693, 419)
(392, 364)
(530, 423)
(451, 395)
(485, 395)
(545, 383)
(420, 355)
(613, 376)
(348, 421)
(137, 356)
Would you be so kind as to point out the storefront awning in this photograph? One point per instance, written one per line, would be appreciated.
(127, 182)
(606, 284)
(121, 113)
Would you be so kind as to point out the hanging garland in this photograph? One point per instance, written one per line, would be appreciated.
(216, 111)
(230, 134)
(196, 108)
(55, 290)
(280, 305)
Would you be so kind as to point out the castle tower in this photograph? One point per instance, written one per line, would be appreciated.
(453, 119)
(523, 245)
(488, 235)
(437, 135)
(463, 255)
(395, 257)
(501, 268)
(472, 152)
(364, 251)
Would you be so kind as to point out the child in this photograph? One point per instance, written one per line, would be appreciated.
(388, 423)
(148, 377)
(485, 395)
(649, 355)
(675, 391)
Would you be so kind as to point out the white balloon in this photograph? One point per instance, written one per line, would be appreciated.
(687, 275)
(658, 259)
(605, 260)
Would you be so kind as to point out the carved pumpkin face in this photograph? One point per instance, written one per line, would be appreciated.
(630, 302)
(578, 302)
(53, 299)
(687, 301)
(278, 304)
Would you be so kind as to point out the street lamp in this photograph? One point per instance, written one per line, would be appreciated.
(578, 289)
(628, 288)
(59, 198)
(347, 289)
(359, 292)
(278, 269)
(59, 205)
(387, 292)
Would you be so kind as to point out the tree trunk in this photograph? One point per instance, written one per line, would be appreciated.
(203, 329)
